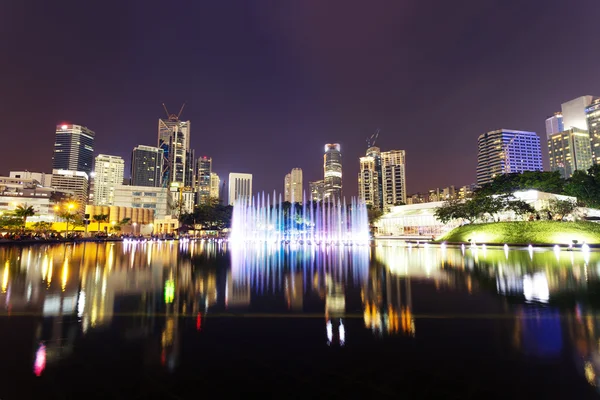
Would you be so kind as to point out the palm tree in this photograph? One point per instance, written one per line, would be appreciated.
(99, 219)
(24, 212)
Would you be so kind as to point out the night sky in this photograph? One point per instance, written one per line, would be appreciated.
(268, 83)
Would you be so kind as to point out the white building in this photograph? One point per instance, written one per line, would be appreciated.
(393, 170)
(109, 172)
(368, 182)
(215, 184)
(157, 199)
(43, 178)
(293, 186)
(240, 187)
(16, 192)
(573, 112)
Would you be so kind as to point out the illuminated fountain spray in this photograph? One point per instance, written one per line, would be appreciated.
(261, 219)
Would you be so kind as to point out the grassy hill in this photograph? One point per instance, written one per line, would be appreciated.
(526, 232)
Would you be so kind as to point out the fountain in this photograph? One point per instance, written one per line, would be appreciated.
(264, 220)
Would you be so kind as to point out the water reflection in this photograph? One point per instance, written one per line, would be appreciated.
(142, 290)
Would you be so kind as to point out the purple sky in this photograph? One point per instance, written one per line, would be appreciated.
(268, 83)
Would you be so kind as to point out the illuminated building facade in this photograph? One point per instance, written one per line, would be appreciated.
(42, 178)
(73, 148)
(570, 151)
(109, 171)
(293, 186)
(317, 190)
(153, 198)
(203, 179)
(573, 112)
(240, 187)
(593, 120)
(554, 124)
(393, 169)
(332, 169)
(215, 185)
(146, 166)
(368, 182)
(178, 161)
(73, 182)
(507, 151)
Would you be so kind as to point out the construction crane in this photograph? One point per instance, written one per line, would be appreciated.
(372, 139)
(173, 117)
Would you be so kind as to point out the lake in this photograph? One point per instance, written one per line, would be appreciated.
(187, 319)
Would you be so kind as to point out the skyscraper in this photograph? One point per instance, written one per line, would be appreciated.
(332, 168)
(570, 151)
(554, 124)
(369, 178)
(178, 162)
(573, 112)
(73, 148)
(203, 179)
(109, 171)
(146, 166)
(593, 120)
(240, 187)
(293, 186)
(507, 151)
(316, 190)
(393, 169)
(215, 184)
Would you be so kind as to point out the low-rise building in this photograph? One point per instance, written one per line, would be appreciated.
(155, 198)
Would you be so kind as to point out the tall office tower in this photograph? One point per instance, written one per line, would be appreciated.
(203, 179)
(240, 187)
(573, 112)
(332, 168)
(293, 186)
(73, 182)
(570, 151)
(593, 120)
(317, 190)
(507, 151)
(393, 169)
(368, 182)
(178, 162)
(146, 166)
(215, 184)
(108, 174)
(554, 124)
(73, 148)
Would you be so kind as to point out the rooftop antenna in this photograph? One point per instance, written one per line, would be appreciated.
(373, 138)
(173, 117)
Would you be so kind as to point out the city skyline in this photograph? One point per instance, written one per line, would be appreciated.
(293, 88)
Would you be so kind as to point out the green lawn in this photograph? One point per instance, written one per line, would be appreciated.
(526, 232)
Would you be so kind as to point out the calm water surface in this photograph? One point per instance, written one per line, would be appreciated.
(184, 320)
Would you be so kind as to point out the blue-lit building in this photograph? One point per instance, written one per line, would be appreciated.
(507, 151)
(73, 148)
(554, 124)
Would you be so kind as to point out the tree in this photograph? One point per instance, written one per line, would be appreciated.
(585, 186)
(519, 207)
(492, 205)
(449, 210)
(24, 212)
(559, 209)
(42, 226)
(550, 182)
(99, 218)
(373, 214)
(10, 222)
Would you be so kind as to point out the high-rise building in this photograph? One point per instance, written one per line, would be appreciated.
(73, 148)
(368, 181)
(215, 184)
(393, 169)
(240, 187)
(203, 179)
(293, 186)
(507, 151)
(554, 124)
(570, 151)
(332, 171)
(108, 174)
(573, 112)
(317, 190)
(178, 161)
(593, 120)
(74, 182)
(146, 166)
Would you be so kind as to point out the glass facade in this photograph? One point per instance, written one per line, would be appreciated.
(146, 166)
(73, 148)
